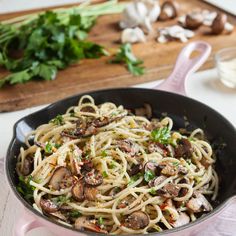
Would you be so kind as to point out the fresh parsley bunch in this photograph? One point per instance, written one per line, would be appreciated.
(41, 47)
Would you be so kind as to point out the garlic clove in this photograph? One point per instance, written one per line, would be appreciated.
(162, 39)
(132, 35)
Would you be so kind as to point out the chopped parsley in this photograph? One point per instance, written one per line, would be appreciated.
(75, 214)
(149, 175)
(58, 120)
(104, 174)
(161, 135)
(60, 200)
(176, 163)
(153, 191)
(48, 148)
(112, 165)
(100, 221)
(134, 178)
(25, 188)
(104, 153)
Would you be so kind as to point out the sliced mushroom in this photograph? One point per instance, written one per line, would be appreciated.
(80, 127)
(128, 146)
(198, 203)
(27, 166)
(83, 223)
(78, 191)
(48, 206)
(184, 149)
(59, 215)
(144, 111)
(182, 220)
(93, 178)
(157, 181)
(87, 165)
(88, 109)
(169, 170)
(90, 193)
(135, 169)
(61, 178)
(218, 24)
(172, 190)
(137, 220)
(194, 20)
(157, 147)
(169, 10)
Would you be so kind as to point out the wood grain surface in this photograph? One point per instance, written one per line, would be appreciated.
(96, 74)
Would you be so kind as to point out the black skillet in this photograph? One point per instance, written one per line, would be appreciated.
(177, 106)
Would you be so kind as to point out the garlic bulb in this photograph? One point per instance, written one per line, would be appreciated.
(130, 35)
(140, 13)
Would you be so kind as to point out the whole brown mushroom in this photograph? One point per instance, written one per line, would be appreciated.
(193, 20)
(169, 10)
(218, 24)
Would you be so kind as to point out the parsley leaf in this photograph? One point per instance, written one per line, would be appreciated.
(75, 214)
(48, 148)
(100, 221)
(126, 56)
(104, 174)
(149, 175)
(153, 191)
(161, 135)
(58, 120)
(104, 153)
(25, 188)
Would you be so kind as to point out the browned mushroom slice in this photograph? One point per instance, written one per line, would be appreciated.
(101, 121)
(80, 127)
(83, 223)
(172, 190)
(137, 220)
(78, 191)
(157, 147)
(88, 109)
(93, 178)
(182, 220)
(27, 166)
(184, 149)
(135, 169)
(128, 146)
(156, 181)
(61, 178)
(198, 203)
(90, 193)
(87, 165)
(59, 215)
(48, 206)
(169, 170)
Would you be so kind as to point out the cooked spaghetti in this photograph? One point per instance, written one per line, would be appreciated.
(104, 169)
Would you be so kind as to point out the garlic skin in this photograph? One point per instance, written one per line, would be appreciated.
(130, 35)
(140, 13)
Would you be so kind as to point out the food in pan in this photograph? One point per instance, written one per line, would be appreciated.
(101, 168)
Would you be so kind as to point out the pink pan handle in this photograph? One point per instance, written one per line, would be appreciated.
(185, 66)
(25, 223)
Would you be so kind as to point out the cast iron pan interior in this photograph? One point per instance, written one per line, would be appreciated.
(177, 107)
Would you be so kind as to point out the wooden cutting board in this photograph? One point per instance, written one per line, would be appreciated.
(96, 74)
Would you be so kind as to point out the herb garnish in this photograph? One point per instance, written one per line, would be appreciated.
(25, 188)
(58, 120)
(100, 221)
(134, 178)
(126, 56)
(161, 135)
(149, 175)
(45, 45)
(104, 174)
(104, 153)
(75, 214)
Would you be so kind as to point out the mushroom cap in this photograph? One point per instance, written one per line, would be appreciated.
(48, 206)
(193, 20)
(169, 10)
(78, 191)
(218, 23)
(93, 178)
(137, 220)
(83, 223)
(61, 178)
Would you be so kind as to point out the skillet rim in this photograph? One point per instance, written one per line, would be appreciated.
(215, 211)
